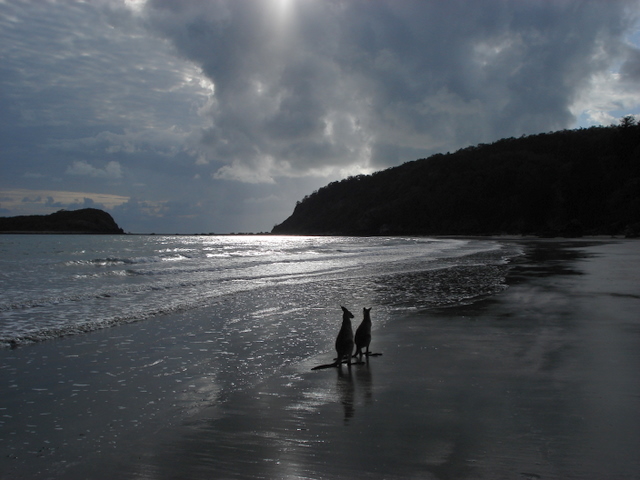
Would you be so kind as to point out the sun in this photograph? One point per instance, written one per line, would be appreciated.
(283, 5)
(282, 10)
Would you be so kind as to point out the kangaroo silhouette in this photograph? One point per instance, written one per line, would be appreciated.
(363, 334)
(344, 342)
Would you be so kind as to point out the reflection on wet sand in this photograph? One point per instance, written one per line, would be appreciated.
(346, 393)
(351, 380)
(365, 381)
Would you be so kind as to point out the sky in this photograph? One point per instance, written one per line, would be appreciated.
(217, 116)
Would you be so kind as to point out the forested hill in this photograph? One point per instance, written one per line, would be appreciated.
(86, 220)
(567, 183)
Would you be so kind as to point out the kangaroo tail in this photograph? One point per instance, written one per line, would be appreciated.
(326, 365)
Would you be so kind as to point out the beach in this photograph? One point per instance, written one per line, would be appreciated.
(537, 381)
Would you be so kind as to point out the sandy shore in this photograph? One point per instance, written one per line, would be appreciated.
(539, 381)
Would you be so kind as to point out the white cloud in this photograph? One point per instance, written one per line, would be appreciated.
(111, 170)
(257, 172)
(606, 98)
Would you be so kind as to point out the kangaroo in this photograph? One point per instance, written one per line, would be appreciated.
(363, 334)
(344, 342)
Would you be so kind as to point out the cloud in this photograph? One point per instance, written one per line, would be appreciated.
(630, 69)
(110, 170)
(342, 82)
(38, 202)
(259, 171)
(83, 65)
(607, 97)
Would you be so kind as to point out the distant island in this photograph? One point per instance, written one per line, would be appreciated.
(569, 183)
(86, 220)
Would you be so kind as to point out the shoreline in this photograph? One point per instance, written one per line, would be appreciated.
(538, 381)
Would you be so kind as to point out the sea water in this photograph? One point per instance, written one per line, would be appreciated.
(59, 285)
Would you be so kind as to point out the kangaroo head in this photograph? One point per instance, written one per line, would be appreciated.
(346, 313)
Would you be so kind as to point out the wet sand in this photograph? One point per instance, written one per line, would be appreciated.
(539, 381)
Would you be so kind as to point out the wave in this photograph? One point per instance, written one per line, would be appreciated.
(88, 326)
(111, 261)
(401, 273)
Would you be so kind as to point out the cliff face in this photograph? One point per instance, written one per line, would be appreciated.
(87, 220)
(568, 183)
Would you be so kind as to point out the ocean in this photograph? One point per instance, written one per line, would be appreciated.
(54, 286)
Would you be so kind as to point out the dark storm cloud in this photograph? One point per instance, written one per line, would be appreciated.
(332, 84)
(630, 70)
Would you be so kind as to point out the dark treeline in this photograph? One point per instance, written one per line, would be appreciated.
(567, 183)
(86, 220)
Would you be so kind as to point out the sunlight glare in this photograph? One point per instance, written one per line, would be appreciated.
(283, 6)
(282, 11)
(135, 5)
